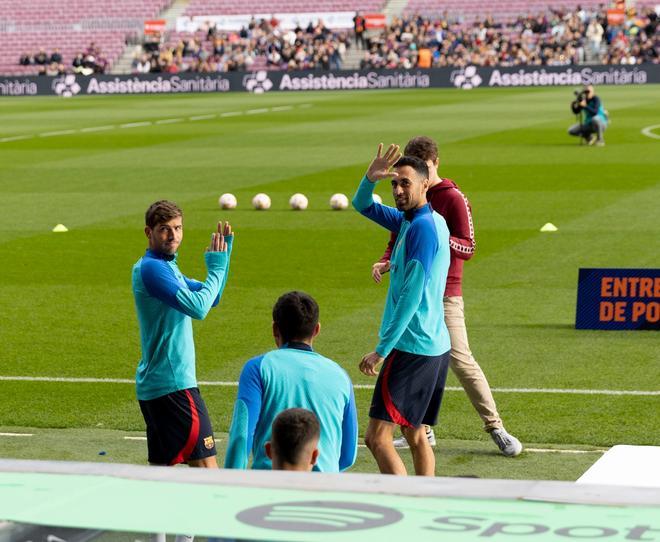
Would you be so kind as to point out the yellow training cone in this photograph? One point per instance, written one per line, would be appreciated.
(549, 227)
(60, 228)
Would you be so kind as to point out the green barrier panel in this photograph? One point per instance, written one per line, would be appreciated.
(114, 503)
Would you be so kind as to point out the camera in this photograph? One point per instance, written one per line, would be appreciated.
(580, 95)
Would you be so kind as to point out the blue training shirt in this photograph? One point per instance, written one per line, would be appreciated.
(293, 376)
(166, 301)
(414, 319)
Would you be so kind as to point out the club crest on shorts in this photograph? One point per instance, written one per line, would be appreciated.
(209, 442)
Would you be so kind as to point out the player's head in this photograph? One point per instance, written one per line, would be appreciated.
(411, 183)
(294, 441)
(295, 318)
(425, 148)
(164, 227)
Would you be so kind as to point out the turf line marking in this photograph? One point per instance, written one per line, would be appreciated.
(135, 124)
(57, 133)
(257, 111)
(16, 434)
(97, 128)
(232, 384)
(555, 451)
(169, 121)
(648, 131)
(282, 108)
(15, 138)
(135, 438)
(231, 114)
(305, 106)
(203, 117)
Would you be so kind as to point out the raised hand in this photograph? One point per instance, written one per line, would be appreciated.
(218, 239)
(380, 166)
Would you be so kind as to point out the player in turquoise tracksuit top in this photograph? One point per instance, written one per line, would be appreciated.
(178, 426)
(413, 338)
(293, 376)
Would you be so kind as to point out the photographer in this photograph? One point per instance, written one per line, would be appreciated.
(592, 117)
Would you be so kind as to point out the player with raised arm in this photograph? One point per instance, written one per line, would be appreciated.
(446, 199)
(178, 425)
(413, 339)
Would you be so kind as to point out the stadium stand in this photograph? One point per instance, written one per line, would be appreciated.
(239, 7)
(28, 27)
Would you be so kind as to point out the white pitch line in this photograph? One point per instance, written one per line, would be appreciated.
(305, 106)
(135, 124)
(16, 434)
(15, 138)
(648, 131)
(233, 384)
(282, 108)
(203, 117)
(135, 438)
(57, 133)
(97, 128)
(555, 451)
(257, 111)
(169, 121)
(231, 114)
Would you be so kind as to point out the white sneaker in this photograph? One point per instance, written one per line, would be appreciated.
(508, 444)
(401, 442)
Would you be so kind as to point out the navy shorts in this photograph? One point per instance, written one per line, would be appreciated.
(409, 389)
(178, 428)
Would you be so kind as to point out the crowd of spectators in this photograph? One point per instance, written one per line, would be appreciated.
(86, 62)
(312, 48)
(556, 38)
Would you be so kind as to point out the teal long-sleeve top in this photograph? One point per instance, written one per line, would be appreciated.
(413, 319)
(166, 301)
(293, 376)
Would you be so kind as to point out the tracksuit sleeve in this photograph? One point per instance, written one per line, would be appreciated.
(246, 415)
(349, 433)
(421, 249)
(197, 304)
(390, 247)
(196, 286)
(363, 201)
(593, 106)
(461, 229)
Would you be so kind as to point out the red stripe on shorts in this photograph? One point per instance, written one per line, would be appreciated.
(184, 454)
(393, 412)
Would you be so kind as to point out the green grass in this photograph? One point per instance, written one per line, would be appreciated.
(67, 307)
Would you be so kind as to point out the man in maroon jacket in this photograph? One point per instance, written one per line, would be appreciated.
(446, 199)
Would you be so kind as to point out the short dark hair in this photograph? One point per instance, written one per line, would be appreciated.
(292, 430)
(422, 147)
(296, 315)
(160, 212)
(417, 164)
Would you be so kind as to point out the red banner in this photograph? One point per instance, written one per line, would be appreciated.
(154, 27)
(616, 17)
(374, 20)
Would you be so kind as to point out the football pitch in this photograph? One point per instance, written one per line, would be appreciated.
(94, 164)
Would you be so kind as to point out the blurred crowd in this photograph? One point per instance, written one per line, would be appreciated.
(86, 62)
(556, 38)
(261, 41)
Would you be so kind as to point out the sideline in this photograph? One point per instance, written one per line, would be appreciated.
(229, 384)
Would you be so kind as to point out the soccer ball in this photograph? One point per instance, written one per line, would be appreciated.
(261, 202)
(227, 201)
(378, 199)
(339, 202)
(298, 202)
